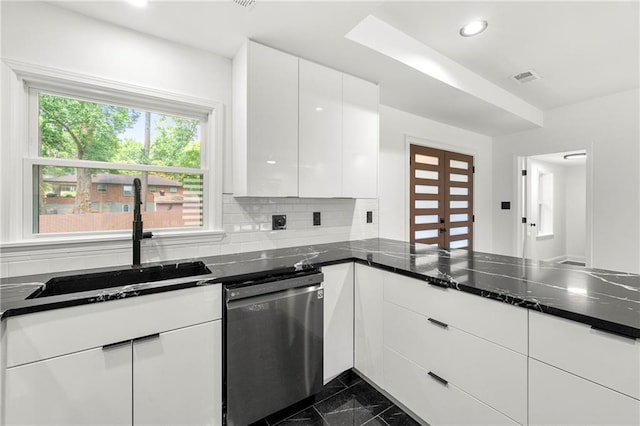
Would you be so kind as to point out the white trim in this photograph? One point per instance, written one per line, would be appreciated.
(47, 256)
(85, 242)
(521, 237)
(48, 78)
(63, 162)
(550, 236)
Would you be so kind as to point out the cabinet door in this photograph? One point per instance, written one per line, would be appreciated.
(368, 322)
(177, 377)
(265, 122)
(560, 398)
(320, 133)
(359, 138)
(338, 319)
(91, 387)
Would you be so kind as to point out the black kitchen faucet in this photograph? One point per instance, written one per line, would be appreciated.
(138, 233)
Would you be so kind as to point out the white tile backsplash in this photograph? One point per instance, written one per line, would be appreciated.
(247, 227)
(247, 222)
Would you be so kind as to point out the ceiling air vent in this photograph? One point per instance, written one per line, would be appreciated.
(245, 3)
(526, 77)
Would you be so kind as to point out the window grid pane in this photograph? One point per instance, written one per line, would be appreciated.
(73, 198)
(177, 203)
(426, 189)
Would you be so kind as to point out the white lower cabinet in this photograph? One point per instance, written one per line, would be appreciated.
(435, 402)
(152, 360)
(369, 322)
(83, 388)
(599, 356)
(560, 398)
(177, 377)
(489, 372)
(166, 379)
(338, 319)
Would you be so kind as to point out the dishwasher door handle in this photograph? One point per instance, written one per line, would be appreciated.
(266, 298)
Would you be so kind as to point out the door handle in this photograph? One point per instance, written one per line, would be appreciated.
(443, 230)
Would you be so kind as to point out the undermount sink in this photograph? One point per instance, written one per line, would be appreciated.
(100, 280)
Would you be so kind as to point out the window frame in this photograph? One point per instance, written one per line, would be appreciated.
(34, 79)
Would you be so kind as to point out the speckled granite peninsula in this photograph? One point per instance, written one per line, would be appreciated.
(603, 299)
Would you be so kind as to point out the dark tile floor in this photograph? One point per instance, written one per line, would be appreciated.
(345, 401)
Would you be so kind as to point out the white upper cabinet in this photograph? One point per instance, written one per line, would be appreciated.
(301, 129)
(359, 138)
(320, 133)
(265, 122)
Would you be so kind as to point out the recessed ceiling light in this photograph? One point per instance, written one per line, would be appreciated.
(473, 28)
(575, 156)
(139, 3)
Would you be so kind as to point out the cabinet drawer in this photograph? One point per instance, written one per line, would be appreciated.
(602, 357)
(435, 403)
(495, 321)
(560, 398)
(489, 372)
(42, 335)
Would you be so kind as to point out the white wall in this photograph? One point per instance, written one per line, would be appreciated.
(608, 128)
(68, 41)
(395, 126)
(575, 208)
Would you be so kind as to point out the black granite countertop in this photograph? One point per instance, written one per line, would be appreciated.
(604, 299)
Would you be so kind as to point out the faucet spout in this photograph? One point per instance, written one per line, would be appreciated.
(138, 232)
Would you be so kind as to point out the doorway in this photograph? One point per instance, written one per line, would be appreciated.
(441, 197)
(553, 206)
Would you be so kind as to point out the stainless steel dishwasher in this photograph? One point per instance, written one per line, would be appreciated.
(273, 339)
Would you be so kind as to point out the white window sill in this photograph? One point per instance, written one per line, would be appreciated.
(97, 240)
(544, 237)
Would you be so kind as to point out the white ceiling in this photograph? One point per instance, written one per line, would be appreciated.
(580, 49)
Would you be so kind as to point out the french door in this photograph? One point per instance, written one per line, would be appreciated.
(441, 210)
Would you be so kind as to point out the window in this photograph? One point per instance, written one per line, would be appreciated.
(545, 204)
(89, 143)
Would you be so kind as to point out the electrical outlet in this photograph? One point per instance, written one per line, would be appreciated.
(316, 219)
(278, 221)
(369, 217)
